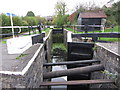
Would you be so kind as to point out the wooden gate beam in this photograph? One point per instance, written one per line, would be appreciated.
(71, 62)
(73, 71)
(78, 82)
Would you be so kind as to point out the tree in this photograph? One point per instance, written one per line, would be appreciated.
(30, 13)
(5, 20)
(60, 8)
(24, 23)
(91, 5)
(31, 20)
(17, 21)
(116, 12)
(60, 11)
(40, 19)
(113, 13)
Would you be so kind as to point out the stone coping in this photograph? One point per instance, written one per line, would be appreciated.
(111, 47)
(20, 67)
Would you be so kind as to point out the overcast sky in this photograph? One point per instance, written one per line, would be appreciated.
(40, 7)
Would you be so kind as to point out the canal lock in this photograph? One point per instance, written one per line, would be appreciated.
(61, 54)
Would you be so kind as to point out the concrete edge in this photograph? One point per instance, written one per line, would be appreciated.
(29, 63)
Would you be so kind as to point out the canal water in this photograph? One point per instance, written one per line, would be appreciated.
(57, 68)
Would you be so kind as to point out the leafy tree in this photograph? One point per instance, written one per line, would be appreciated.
(30, 13)
(17, 21)
(60, 11)
(116, 12)
(113, 13)
(31, 20)
(65, 19)
(40, 19)
(24, 23)
(5, 20)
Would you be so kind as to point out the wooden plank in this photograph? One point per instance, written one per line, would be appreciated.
(71, 62)
(77, 82)
(73, 71)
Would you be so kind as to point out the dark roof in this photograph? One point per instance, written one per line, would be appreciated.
(95, 14)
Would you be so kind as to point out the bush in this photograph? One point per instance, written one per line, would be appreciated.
(59, 49)
(57, 38)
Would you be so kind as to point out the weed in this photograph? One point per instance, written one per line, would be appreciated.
(94, 48)
(111, 75)
(21, 55)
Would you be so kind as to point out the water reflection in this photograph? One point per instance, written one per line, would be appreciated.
(57, 68)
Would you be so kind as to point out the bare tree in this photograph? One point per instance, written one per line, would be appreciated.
(80, 8)
(60, 8)
(91, 5)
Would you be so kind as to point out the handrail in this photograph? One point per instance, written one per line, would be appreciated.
(14, 26)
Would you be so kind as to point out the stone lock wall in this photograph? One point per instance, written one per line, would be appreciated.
(32, 74)
(111, 62)
(29, 77)
(47, 47)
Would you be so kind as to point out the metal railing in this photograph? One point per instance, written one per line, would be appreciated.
(18, 32)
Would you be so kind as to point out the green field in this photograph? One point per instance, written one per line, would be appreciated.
(116, 29)
(110, 39)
